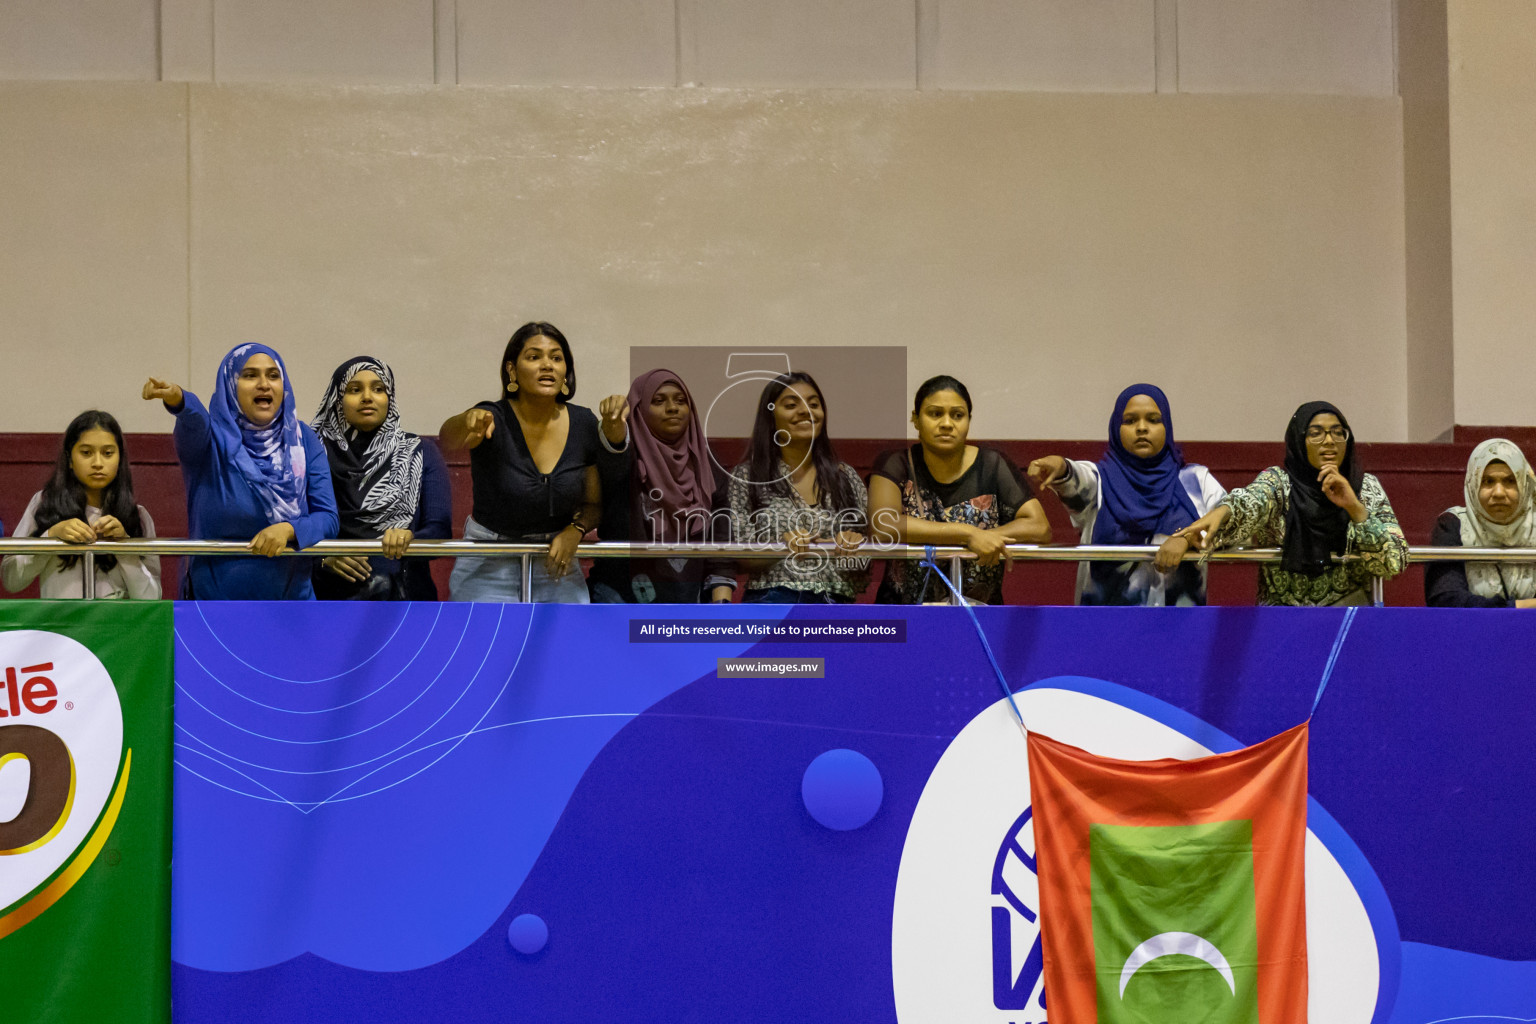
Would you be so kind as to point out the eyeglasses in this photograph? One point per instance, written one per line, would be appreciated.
(1332, 433)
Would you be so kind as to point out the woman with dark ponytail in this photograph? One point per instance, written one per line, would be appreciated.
(88, 498)
(792, 490)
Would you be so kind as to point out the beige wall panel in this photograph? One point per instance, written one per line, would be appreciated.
(93, 258)
(78, 39)
(1422, 82)
(1493, 208)
(1245, 253)
(352, 41)
(1342, 47)
(800, 43)
(567, 42)
(1049, 45)
(186, 40)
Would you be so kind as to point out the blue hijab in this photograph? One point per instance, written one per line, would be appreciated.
(270, 459)
(1141, 497)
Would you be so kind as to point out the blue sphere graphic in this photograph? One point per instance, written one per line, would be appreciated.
(842, 789)
(528, 933)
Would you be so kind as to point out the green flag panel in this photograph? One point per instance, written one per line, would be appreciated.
(85, 756)
(1175, 936)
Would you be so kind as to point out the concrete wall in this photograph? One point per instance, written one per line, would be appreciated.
(1423, 81)
(1245, 252)
(1341, 47)
(1493, 207)
(1023, 191)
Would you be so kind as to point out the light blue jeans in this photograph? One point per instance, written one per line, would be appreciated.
(501, 579)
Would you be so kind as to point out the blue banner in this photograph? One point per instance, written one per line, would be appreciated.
(412, 812)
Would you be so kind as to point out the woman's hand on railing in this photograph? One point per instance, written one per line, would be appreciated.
(1202, 532)
(798, 541)
(1171, 552)
(562, 551)
(1198, 535)
(396, 542)
(271, 541)
(990, 547)
(72, 531)
(349, 567)
(110, 528)
(848, 542)
(170, 394)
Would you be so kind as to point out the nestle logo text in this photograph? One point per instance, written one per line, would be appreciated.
(37, 694)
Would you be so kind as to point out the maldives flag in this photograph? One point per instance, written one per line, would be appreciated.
(1171, 892)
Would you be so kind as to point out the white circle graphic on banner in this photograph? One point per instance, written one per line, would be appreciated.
(965, 931)
(61, 742)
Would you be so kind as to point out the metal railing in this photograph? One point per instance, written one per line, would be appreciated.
(955, 556)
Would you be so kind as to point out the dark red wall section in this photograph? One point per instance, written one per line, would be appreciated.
(1421, 479)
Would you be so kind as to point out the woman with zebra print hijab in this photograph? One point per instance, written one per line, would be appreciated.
(390, 484)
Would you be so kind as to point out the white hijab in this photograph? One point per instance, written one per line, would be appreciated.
(1499, 579)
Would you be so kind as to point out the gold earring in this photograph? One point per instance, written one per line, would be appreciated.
(565, 388)
(511, 386)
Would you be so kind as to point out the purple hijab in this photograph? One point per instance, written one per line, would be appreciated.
(676, 476)
(1141, 497)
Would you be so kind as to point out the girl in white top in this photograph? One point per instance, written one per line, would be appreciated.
(89, 498)
(1141, 492)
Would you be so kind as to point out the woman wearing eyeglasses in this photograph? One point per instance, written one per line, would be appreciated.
(1318, 505)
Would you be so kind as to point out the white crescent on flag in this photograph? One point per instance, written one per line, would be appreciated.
(1171, 944)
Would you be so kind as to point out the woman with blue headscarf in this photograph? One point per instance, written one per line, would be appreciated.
(252, 472)
(1141, 491)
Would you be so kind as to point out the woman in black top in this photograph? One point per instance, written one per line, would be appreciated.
(533, 461)
(1500, 512)
(945, 491)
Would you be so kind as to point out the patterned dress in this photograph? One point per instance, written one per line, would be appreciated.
(781, 510)
(1258, 521)
(987, 495)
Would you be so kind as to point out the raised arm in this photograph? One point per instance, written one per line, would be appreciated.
(466, 430)
(1378, 538)
(1075, 483)
(613, 430)
(193, 434)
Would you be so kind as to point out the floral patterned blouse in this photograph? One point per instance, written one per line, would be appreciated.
(1258, 521)
(781, 510)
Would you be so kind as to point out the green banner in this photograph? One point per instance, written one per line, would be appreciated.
(85, 805)
(1175, 937)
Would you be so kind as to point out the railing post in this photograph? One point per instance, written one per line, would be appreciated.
(88, 572)
(1378, 591)
(956, 576)
(525, 592)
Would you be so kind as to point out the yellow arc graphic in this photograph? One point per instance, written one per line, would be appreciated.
(35, 907)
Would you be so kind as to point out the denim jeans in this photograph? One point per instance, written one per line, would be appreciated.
(501, 579)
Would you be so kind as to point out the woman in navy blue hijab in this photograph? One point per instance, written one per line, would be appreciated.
(253, 473)
(1141, 492)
